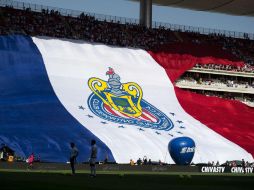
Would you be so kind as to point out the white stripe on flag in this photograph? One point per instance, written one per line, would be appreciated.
(70, 64)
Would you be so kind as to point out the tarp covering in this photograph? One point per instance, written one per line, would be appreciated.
(58, 91)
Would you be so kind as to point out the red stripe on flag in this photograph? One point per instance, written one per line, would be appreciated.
(231, 119)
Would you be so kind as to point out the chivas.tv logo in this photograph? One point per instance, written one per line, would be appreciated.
(122, 103)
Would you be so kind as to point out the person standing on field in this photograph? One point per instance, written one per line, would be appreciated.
(73, 157)
(93, 157)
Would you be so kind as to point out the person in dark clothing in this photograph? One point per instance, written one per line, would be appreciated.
(145, 160)
(243, 166)
(93, 158)
(73, 157)
(139, 162)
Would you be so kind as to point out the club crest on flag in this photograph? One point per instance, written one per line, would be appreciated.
(123, 103)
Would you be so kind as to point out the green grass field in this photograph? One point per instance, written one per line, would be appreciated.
(46, 180)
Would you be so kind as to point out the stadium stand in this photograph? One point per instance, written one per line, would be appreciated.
(213, 78)
(52, 23)
(216, 65)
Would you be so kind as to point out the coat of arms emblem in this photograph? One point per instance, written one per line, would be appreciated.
(123, 103)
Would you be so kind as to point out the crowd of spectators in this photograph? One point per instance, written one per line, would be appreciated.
(221, 81)
(243, 49)
(85, 27)
(51, 23)
(244, 98)
(233, 163)
(247, 68)
(223, 86)
(144, 161)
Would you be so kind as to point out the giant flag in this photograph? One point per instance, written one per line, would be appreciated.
(57, 91)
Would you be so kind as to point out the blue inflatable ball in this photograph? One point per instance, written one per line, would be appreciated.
(182, 150)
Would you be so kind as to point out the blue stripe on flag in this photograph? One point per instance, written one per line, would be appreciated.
(32, 119)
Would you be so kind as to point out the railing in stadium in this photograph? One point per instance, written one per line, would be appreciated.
(123, 20)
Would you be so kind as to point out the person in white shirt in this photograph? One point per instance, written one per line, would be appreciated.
(73, 157)
(93, 157)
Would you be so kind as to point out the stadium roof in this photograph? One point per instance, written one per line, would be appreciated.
(232, 7)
